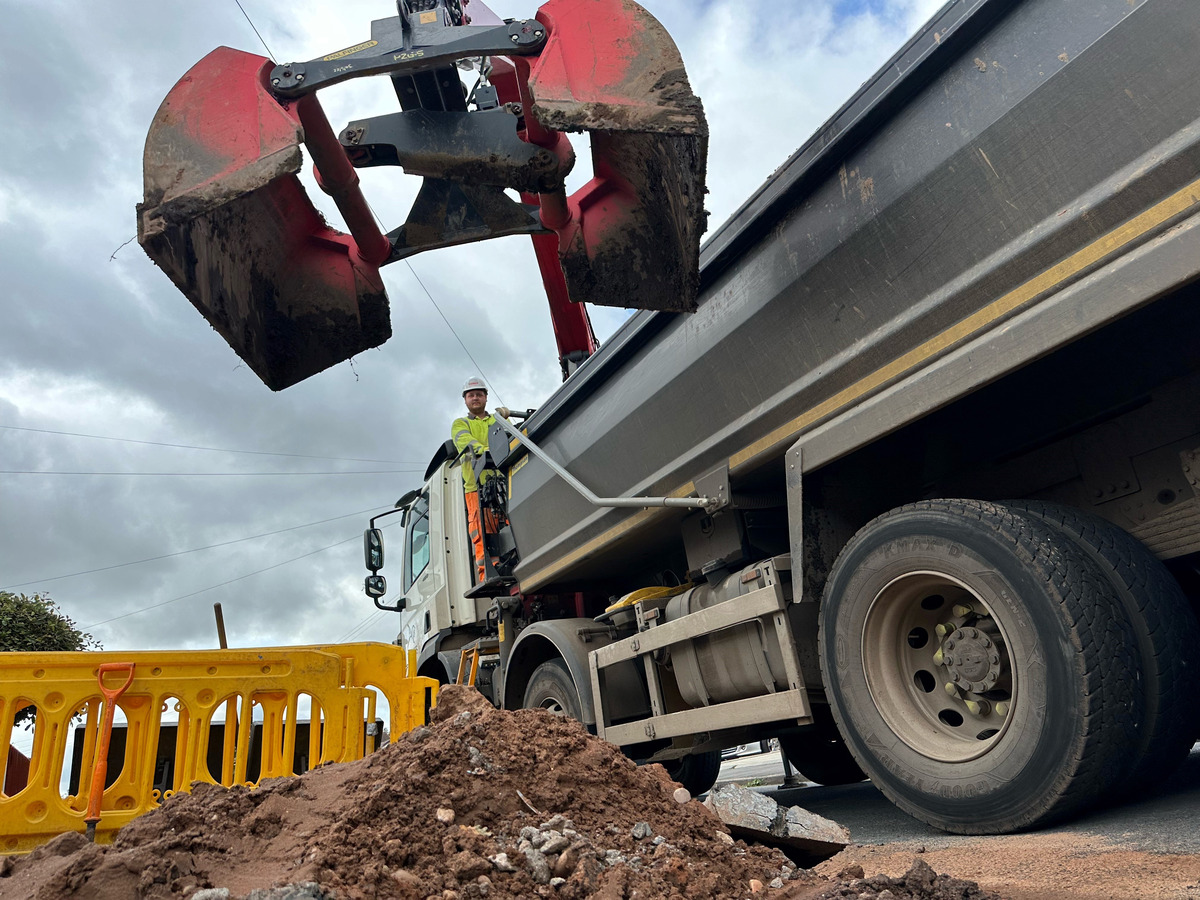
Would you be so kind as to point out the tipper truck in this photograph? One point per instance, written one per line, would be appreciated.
(911, 483)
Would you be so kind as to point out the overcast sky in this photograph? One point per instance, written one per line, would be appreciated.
(143, 468)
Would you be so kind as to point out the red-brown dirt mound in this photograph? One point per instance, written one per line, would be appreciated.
(481, 803)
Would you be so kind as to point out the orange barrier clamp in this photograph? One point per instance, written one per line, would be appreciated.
(223, 701)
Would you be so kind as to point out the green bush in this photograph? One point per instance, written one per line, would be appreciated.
(37, 624)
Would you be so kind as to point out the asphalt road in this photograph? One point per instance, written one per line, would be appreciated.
(1163, 822)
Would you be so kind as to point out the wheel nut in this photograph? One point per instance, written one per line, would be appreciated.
(938, 658)
(979, 707)
(1002, 709)
(960, 610)
(951, 689)
(943, 630)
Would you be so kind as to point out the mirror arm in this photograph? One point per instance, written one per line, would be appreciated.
(374, 519)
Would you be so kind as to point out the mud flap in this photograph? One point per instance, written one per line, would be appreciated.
(227, 219)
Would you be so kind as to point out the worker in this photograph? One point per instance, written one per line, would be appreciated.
(471, 431)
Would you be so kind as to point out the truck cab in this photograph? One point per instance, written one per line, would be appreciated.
(435, 572)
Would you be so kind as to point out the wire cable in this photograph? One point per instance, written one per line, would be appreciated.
(230, 581)
(101, 437)
(135, 562)
(478, 368)
(252, 25)
(222, 584)
(362, 626)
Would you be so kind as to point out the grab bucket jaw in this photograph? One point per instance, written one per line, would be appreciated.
(612, 70)
(226, 217)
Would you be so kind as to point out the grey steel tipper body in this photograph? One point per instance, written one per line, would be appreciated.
(999, 189)
(915, 490)
(940, 401)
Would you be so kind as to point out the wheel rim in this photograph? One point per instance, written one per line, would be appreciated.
(937, 666)
(554, 705)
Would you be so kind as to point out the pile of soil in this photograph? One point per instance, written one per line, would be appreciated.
(481, 803)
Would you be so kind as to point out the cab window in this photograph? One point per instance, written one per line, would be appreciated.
(416, 541)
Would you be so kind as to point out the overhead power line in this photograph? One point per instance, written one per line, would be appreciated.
(135, 562)
(222, 584)
(255, 27)
(478, 368)
(362, 626)
(102, 437)
(213, 587)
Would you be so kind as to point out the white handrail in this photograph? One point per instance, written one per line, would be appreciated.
(639, 502)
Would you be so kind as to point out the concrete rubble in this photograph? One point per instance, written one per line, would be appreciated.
(805, 837)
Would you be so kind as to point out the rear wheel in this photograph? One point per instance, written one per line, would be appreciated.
(1164, 627)
(977, 665)
(551, 688)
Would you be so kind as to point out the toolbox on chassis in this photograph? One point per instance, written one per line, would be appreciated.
(914, 487)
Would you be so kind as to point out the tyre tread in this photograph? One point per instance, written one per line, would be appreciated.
(1167, 633)
(1096, 619)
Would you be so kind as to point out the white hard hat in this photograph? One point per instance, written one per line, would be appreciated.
(474, 383)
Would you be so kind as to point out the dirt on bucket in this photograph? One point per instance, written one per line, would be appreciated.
(480, 803)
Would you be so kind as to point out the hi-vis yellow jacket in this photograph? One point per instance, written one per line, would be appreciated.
(469, 430)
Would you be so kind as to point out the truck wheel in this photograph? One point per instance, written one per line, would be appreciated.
(1164, 626)
(698, 772)
(819, 754)
(977, 664)
(551, 687)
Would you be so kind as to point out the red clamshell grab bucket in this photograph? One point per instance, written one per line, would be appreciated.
(227, 219)
(610, 69)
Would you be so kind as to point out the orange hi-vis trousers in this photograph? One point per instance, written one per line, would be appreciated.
(476, 525)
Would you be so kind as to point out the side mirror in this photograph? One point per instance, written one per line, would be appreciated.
(373, 551)
(408, 498)
(375, 586)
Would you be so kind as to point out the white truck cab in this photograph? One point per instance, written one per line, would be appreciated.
(436, 571)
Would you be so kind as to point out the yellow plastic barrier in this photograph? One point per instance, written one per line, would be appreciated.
(239, 720)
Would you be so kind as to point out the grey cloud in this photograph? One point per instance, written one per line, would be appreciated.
(100, 346)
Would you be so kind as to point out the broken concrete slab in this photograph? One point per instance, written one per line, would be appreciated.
(805, 837)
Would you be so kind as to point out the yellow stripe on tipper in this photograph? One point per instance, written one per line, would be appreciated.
(978, 321)
(1096, 252)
